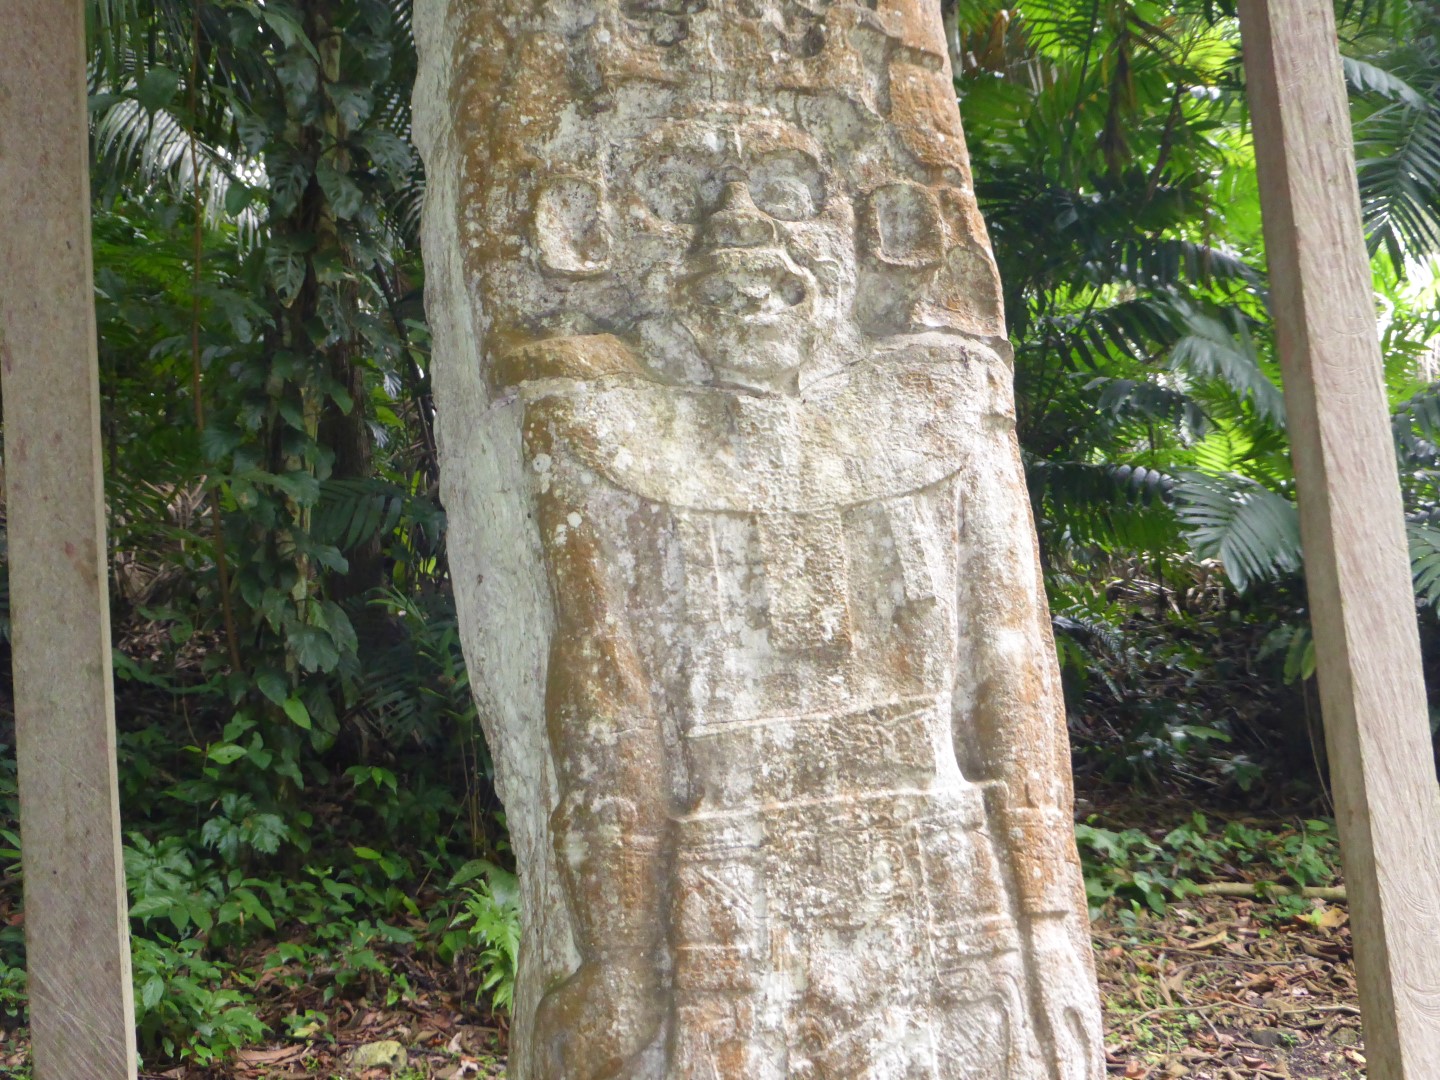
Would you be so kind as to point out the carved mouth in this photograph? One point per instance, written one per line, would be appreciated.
(748, 284)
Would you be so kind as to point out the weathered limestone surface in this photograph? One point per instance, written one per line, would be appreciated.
(742, 546)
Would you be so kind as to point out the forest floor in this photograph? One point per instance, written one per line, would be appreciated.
(1220, 989)
(1213, 989)
(1200, 987)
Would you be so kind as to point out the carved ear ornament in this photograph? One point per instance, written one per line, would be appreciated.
(572, 232)
(582, 356)
(903, 225)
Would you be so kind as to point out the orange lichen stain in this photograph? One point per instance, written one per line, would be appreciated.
(916, 27)
(581, 357)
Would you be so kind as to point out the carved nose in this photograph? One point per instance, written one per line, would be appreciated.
(736, 222)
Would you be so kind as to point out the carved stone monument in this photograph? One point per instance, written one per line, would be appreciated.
(742, 546)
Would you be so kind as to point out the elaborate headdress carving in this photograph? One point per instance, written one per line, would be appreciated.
(576, 104)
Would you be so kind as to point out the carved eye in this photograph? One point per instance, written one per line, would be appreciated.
(678, 190)
(787, 185)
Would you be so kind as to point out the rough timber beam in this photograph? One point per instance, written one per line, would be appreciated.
(82, 1015)
(1352, 526)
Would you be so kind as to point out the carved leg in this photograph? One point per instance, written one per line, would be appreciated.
(1066, 1005)
(594, 1025)
(1014, 733)
(610, 831)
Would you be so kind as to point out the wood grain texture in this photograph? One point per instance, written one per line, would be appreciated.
(1352, 526)
(82, 1014)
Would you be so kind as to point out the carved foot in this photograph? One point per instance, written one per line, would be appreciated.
(594, 1025)
(1070, 1017)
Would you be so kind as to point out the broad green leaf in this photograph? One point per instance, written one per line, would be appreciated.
(153, 991)
(313, 648)
(237, 198)
(217, 441)
(147, 907)
(286, 271)
(341, 631)
(299, 485)
(266, 831)
(391, 154)
(289, 176)
(475, 868)
(346, 197)
(225, 753)
(353, 104)
(299, 74)
(274, 686)
(254, 132)
(288, 29)
(298, 714)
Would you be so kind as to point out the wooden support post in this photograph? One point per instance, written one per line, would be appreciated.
(1356, 564)
(81, 1009)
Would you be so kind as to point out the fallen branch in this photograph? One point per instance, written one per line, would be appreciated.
(1260, 890)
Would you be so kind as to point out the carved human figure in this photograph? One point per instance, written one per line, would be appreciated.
(738, 401)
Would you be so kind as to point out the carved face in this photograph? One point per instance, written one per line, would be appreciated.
(730, 235)
(764, 236)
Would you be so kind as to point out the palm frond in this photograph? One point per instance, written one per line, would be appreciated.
(353, 512)
(1146, 401)
(1364, 77)
(141, 149)
(1165, 262)
(1115, 507)
(1424, 539)
(1415, 424)
(1253, 531)
(1216, 344)
(1398, 162)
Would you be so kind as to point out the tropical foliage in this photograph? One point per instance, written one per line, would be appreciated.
(302, 771)
(1115, 167)
(305, 787)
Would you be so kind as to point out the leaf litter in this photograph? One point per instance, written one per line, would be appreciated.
(1223, 989)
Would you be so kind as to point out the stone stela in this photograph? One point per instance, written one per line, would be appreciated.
(742, 546)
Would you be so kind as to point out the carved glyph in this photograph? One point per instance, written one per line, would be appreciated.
(742, 546)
